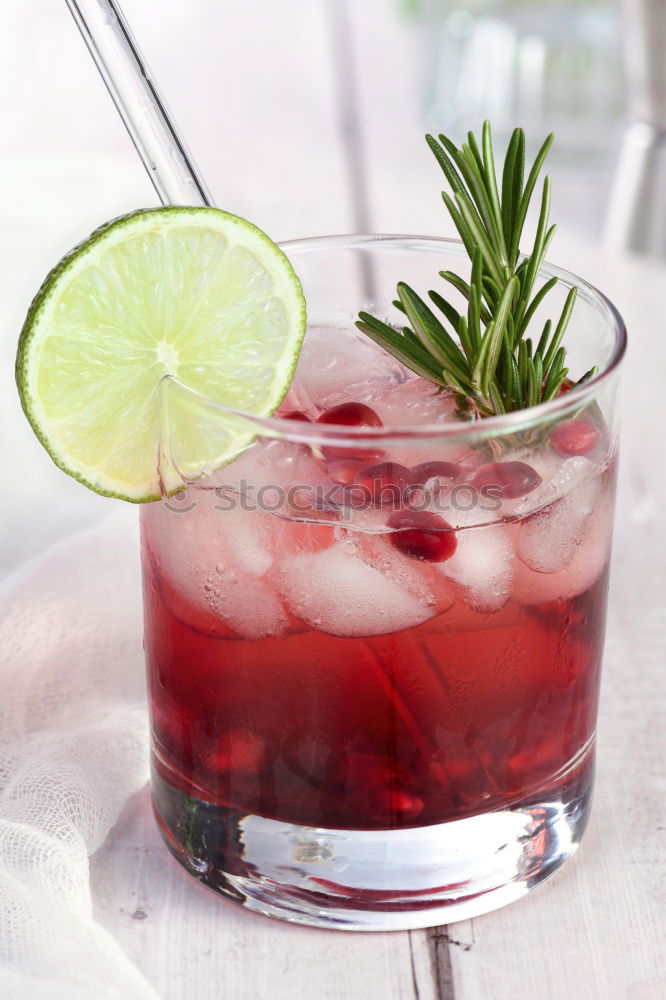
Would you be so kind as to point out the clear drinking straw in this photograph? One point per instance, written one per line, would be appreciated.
(171, 169)
(153, 131)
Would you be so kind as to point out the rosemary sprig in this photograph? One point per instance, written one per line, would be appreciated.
(484, 356)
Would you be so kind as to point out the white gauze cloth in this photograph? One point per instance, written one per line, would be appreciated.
(73, 748)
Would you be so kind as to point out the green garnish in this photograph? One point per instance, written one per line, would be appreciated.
(488, 363)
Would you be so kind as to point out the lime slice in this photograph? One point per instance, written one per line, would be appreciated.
(194, 294)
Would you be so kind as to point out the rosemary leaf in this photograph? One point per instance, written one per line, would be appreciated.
(536, 258)
(445, 308)
(461, 285)
(445, 164)
(395, 343)
(473, 145)
(493, 193)
(532, 308)
(431, 333)
(463, 334)
(493, 351)
(544, 338)
(538, 374)
(496, 400)
(479, 366)
(554, 384)
(459, 222)
(588, 375)
(481, 239)
(487, 357)
(509, 174)
(474, 316)
(521, 212)
(560, 328)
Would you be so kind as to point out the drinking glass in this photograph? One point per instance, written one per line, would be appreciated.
(374, 652)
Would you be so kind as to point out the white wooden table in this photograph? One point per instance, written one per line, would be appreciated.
(304, 117)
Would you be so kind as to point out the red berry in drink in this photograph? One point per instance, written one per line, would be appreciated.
(513, 479)
(237, 750)
(385, 482)
(420, 534)
(351, 415)
(344, 470)
(296, 415)
(420, 474)
(369, 768)
(575, 437)
(386, 803)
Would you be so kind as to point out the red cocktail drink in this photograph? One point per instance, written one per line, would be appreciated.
(359, 725)
(374, 643)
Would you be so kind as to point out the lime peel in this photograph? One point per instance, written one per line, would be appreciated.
(190, 296)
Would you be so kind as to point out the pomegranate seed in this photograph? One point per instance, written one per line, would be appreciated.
(575, 437)
(370, 768)
(296, 415)
(385, 482)
(350, 415)
(386, 803)
(514, 479)
(420, 474)
(566, 385)
(422, 535)
(344, 470)
(237, 750)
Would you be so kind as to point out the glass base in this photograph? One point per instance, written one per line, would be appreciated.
(376, 880)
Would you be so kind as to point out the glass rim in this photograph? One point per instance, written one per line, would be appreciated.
(506, 423)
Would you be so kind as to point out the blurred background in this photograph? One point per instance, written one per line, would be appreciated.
(306, 117)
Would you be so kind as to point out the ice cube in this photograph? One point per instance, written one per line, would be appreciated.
(245, 604)
(404, 401)
(207, 529)
(330, 359)
(336, 591)
(588, 561)
(483, 564)
(297, 399)
(415, 576)
(462, 505)
(414, 403)
(213, 561)
(558, 477)
(248, 541)
(547, 540)
(270, 466)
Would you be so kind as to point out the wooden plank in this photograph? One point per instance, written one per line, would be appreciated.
(596, 930)
(190, 942)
